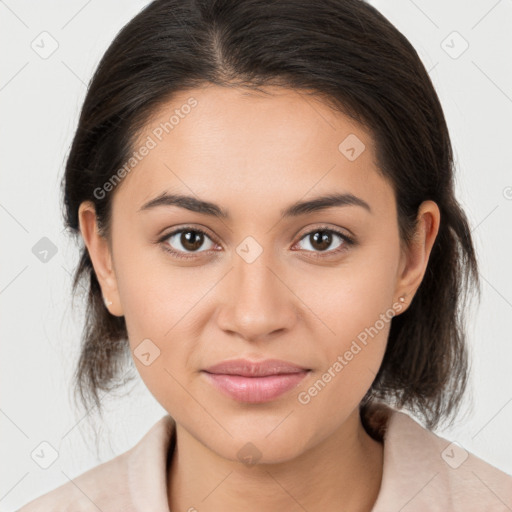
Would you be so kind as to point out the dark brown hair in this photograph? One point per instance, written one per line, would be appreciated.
(351, 56)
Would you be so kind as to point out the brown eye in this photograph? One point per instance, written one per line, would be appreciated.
(321, 240)
(191, 240)
(187, 240)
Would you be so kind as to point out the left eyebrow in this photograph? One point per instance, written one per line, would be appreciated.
(296, 209)
(323, 202)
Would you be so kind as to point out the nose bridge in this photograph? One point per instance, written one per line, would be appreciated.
(256, 280)
(259, 302)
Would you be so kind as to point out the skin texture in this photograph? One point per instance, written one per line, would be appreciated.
(254, 155)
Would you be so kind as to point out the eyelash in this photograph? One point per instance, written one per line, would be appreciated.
(347, 241)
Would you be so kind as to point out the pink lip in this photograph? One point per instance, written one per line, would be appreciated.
(255, 382)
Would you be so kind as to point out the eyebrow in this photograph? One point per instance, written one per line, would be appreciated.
(295, 210)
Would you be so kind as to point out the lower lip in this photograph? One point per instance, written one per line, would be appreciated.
(255, 389)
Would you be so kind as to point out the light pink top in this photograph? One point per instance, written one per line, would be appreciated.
(422, 472)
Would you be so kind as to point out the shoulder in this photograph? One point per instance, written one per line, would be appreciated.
(96, 489)
(117, 484)
(423, 471)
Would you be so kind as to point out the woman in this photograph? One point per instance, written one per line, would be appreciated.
(265, 194)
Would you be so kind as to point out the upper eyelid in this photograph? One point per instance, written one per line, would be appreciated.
(189, 228)
(338, 231)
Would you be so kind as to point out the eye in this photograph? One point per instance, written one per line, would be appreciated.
(189, 240)
(185, 240)
(321, 239)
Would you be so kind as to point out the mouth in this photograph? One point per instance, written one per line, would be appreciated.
(255, 382)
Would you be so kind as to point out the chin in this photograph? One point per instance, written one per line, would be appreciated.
(258, 444)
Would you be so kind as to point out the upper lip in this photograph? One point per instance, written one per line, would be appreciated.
(247, 368)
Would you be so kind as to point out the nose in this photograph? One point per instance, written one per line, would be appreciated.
(258, 301)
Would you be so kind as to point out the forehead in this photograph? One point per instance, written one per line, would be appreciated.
(220, 141)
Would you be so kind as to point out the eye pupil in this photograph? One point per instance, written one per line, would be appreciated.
(191, 240)
(324, 240)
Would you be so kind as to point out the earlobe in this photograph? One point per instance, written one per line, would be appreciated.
(416, 255)
(100, 255)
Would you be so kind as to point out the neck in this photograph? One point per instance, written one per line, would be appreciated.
(343, 472)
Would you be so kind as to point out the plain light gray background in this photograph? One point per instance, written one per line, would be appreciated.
(40, 98)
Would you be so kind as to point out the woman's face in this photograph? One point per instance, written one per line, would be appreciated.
(261, 283)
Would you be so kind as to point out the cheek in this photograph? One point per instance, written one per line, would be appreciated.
(353, 313)
(358, 288)
(359, 318)
(351, 357)
(155, 295)
(160, 304)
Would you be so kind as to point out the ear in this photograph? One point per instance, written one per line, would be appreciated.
(414, 258)
(101, 256)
